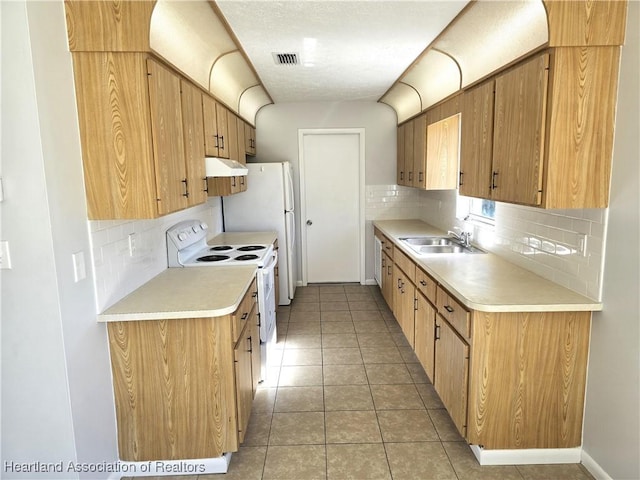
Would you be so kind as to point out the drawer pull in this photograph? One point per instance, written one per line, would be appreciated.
(448, 308)
(423, 283)
(254, 294)
(250, 345)
(244, 316)
(437, 335)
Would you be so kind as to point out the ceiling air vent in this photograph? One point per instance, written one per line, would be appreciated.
(285, 58)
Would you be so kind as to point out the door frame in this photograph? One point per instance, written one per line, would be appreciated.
(361, 192)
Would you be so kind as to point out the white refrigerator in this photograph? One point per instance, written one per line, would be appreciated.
(267, 204)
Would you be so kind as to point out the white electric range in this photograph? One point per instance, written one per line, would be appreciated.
(187, 247)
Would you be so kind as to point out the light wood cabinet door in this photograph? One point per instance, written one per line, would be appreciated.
(519, 132)
(408, 154)
(443, 140)
(168, 140)
(404, 303)
(476, 141)
(241, 140)
(420, 151)
(387, 279)
(452, 373)
(400, 158)
(193, 128)
(231, 142)
(425, 326)
(250, 139)
(174, 388)
(222, 122)
(244, 380)
(113, 103)
(209, 114)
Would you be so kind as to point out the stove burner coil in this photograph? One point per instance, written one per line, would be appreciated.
(251, 248)
(213, 258)
(244, 258)
(221, 248)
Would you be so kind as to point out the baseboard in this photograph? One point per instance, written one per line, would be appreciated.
(370, 281)
(533, 456)
(593, 467)
(161, 468)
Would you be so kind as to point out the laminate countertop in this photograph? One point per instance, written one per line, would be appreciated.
(191, 292)
(486, 282)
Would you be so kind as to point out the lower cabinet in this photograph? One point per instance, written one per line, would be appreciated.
(452, 372)
(183, 388)
(425, 326)
(509, 380)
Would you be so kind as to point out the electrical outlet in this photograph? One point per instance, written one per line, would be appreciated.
(132, 244)
(582, 247)
(5, 257)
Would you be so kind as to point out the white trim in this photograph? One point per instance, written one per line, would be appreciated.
(532, 456)
(361, 194)
(593, 467)
(160, 468)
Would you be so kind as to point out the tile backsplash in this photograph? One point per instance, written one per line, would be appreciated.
(117, 271)
(564, 246)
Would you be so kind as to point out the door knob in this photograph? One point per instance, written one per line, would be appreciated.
(309, 222)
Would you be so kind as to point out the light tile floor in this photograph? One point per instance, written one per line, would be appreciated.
(347, 399)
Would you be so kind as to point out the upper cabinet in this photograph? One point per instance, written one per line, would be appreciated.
(541, 133)
(130, 110)
(193, 133)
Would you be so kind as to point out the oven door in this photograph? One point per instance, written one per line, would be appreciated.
(267, 297)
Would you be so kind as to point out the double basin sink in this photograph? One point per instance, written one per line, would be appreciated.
(430, 245)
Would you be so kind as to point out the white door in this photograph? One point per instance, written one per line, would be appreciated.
(331, 183)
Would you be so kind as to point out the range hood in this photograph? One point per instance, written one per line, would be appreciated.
(223, 167)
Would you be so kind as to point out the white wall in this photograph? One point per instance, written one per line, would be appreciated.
(57, 402)
(612, 419)
(277, 139)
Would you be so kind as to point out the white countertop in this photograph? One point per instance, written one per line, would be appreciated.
(486, 282)
(191, 292)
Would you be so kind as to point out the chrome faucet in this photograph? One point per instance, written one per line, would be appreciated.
(463, 237)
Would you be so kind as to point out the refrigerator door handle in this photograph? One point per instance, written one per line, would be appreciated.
(289, 186)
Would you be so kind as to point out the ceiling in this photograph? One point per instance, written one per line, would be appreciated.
(409, 54)
(348, 50)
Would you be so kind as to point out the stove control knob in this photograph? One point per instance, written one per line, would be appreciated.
(182, 236)
(204, 226)
(196, 229)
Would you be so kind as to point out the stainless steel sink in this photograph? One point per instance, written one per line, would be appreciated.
(431, 245)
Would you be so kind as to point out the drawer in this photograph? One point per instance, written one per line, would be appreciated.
(426, 285)
(387, 245)
(241, 315)
(453, 311)
(405, 264)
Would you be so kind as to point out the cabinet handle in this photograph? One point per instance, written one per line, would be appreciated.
(250, 345)
(493, 180)
(437, 334)
(399, 280)
(420, 175)
(244, 316)
(448, 308)
(401, 175)
(415, 304)
(410, 176)
(186, 188)
(206, 185)
(217, 143)
(222, 138)
(233, 181)
(460, 181)
(423, 283)
(254, 294)
(241, 180)
(389, 270)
